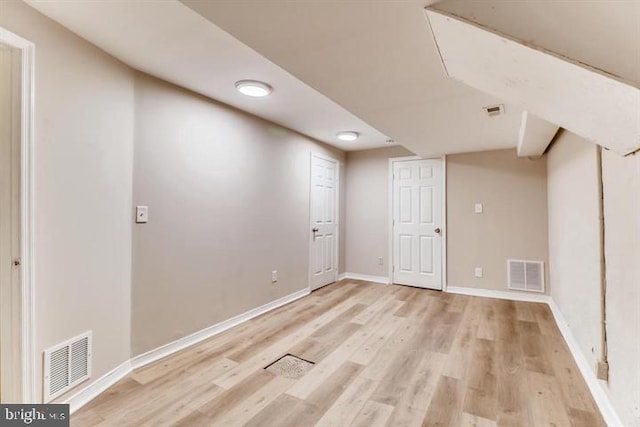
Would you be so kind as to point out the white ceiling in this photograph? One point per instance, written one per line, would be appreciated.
(375, 58)
(168, 40)
(372, 59)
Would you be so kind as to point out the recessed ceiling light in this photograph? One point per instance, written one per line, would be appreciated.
(253, 88)
(347, 136)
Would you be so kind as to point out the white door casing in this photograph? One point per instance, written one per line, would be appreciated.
(324, 221)
(22, 308)
(417, 223)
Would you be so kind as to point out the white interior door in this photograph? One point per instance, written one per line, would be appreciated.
(10, 386)
(324, 222)
(417, 223)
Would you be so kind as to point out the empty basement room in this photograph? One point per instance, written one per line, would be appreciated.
(320, 213)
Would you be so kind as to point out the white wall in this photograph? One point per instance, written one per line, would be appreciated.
(83, 180)
(621, 178)
(574, 238)
(228, 198)
(367, 207)
(575, 255)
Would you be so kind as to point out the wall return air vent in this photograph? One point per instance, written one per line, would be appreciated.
(525, 275)
(66, 365)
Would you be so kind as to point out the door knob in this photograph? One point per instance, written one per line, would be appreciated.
(315, 229)
(437, 230)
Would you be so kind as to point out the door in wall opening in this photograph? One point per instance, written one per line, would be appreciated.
(324, 221)
(417, 223)
(10, 286)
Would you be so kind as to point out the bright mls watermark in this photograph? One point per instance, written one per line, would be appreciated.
(34, 415)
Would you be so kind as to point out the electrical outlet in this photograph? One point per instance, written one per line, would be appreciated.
(478, 272)
(274, 276)
(142, 214)
(602, 371)
(380, 261)
(478, 208)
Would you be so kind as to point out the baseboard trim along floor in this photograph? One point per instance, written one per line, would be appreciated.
(365, 277)
(100, 385)
(597, 387)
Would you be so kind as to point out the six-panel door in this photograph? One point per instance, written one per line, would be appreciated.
(417, 223)
(324, 227)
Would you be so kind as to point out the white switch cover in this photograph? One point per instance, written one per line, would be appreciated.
(142, 214)
(478, 208)
(380, 261)
(478, 272)
(274, 276)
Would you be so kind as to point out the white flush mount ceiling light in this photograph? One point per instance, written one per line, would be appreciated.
(253, 88)
(347, 136)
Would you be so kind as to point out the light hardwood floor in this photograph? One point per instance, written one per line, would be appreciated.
(385, 356)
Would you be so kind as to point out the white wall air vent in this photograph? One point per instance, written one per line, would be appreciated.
(66, 365)
(525, 275)
(494, 110)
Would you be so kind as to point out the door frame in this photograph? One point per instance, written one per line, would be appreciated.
(23, 311)
(310, 220)
(390, 195)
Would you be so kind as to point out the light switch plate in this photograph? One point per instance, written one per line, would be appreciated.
(478, 208)
(478, 272)
(142, 214)
(274, 276)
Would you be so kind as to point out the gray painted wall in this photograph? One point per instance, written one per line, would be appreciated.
(83, 179)
(512, 189)
(228, 198)
(367, 207)
(513, 224)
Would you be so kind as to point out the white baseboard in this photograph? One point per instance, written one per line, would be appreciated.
(596, 386)
(491, 293)
(365, 277)
(189, 340)
(84, 396)
(89, 393)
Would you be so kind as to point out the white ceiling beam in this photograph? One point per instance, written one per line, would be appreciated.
(535, 135)
(582, 99)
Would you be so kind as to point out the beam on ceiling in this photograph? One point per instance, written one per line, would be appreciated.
(589, 102)
(535, 135)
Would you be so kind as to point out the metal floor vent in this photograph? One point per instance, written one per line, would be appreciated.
(66, 365)
(290, 366)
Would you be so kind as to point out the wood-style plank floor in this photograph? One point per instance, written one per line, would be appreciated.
(384, 356)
